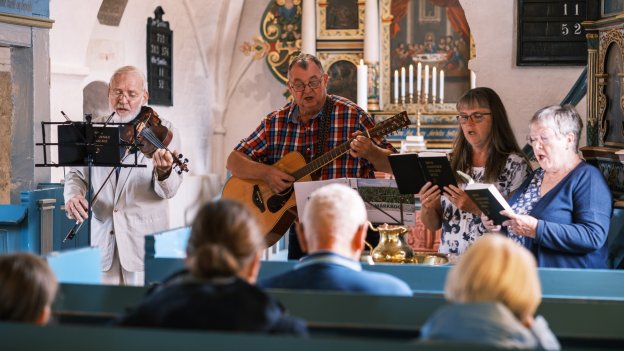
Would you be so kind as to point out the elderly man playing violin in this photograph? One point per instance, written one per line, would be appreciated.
(133, 201)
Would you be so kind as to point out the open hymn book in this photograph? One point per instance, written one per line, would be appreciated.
(413, 170)
(489, 200)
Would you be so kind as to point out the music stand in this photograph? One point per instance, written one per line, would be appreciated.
(87, 144)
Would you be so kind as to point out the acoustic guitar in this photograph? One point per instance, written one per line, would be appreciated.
(276, 212)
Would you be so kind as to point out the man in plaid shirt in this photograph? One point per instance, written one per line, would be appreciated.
(296, 127)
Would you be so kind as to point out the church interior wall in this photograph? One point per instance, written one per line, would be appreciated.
(523, 89)
(220, 94)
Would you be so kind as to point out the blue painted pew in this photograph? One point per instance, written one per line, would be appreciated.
(20, 224)
(80, 266)
(16, 336)
(574, 321)
(165, 253)
(556, 283)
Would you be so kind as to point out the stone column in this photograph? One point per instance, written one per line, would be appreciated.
(308, 27)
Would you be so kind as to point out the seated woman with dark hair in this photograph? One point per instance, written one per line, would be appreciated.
(27, 289)
(215, 292)
(494, 292)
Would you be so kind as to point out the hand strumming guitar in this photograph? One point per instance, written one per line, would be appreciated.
(277, 180)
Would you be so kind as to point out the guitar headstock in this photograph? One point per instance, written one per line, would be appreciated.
(392, 124)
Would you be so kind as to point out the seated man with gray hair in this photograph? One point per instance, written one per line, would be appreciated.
(332, 232)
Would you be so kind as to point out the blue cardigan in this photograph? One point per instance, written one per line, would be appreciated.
(573, 220)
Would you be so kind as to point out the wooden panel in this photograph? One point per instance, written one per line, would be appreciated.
(551, 33)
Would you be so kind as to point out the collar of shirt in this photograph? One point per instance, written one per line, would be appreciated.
(328, 257)
(293, 114)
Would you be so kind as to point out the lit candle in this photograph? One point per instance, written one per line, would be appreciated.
(473, 80)
(434, 78)
(418, 77)
(402, 82)
(411, 79)
(396, 86)
(441, 85)
(362, 85)
(426, 79)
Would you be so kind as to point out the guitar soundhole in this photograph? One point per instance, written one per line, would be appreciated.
(277, 201)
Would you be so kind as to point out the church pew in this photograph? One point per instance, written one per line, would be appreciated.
(17, 336)
(38, 224)
(574, 321)
(80, 266)
(165, 252)
(556, 283)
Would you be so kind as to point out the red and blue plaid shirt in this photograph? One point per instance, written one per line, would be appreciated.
(281, 133)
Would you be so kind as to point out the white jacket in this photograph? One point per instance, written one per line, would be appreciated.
(127, 208)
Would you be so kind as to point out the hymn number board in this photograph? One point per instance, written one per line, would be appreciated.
(551, 32)
(159, 60)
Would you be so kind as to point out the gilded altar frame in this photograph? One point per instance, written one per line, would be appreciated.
(342, 77)
(354, 30)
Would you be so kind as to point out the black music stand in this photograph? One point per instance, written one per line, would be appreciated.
(87, 144)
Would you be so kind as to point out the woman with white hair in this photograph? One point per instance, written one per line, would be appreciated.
(494, 292)
(562, 212)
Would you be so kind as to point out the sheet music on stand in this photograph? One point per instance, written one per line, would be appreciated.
(87, 144)
(384, 203)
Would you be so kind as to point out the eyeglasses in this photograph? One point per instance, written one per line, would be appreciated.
(475, 117)
(300, 86)
(130, 95)
(533, 140)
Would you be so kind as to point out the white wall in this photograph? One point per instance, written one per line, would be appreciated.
(523, 89)
(82, 51)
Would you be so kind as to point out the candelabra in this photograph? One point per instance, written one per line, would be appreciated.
(416, 105)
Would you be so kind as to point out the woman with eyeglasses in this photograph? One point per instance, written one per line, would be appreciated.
(562, 212)
(486, 150)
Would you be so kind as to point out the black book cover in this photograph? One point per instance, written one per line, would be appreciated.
(489, 200)
(413, 170)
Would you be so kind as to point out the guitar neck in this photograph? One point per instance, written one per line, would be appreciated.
(322, 160)
(386, 127)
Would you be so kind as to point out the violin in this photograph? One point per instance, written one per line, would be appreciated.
(150, 136)
(146, 134)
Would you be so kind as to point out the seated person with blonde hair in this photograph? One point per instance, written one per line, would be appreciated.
(27, 289)
(216, 291)
(494, 292)
(332, 232)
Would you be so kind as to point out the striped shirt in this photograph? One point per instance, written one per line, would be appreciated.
(280, 133)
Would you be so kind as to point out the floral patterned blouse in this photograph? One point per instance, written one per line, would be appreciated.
(460, 229)
(526, 201)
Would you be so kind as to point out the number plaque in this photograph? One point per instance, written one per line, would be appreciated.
(551, 32)
(159, 60)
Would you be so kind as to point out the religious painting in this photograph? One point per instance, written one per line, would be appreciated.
(342, 76)
(434, 33)
(428, 12)
(341, 14)
(342, 71)
(340, 19)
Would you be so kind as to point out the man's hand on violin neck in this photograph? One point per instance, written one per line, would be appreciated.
(163, 162)
(76, 208)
